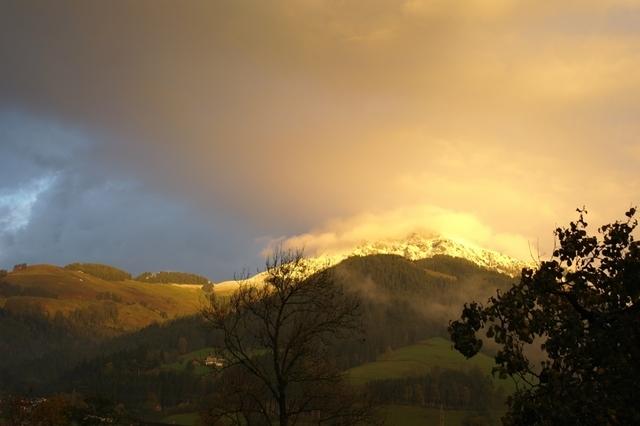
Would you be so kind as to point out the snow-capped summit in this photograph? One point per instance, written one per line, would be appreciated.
(416, 246)
(413, 247)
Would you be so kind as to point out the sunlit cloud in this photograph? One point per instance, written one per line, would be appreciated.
(286, 115)
(339, 236)
(473, 9)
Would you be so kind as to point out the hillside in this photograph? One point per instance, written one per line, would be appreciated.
(416, 296)
(429, 381)
(437, 258)
(51, 291)
(52, 317)
(420, 359)
(435, 288)
(66, 330)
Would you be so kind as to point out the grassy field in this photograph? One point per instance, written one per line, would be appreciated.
(419, 359)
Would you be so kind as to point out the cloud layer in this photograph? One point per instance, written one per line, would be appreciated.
(265, 119)
(341, 236)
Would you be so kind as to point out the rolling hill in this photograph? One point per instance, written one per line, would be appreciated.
(128, 305)
(53, 317)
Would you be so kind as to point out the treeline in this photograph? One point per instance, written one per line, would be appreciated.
(35, 348)
(133, 368)
(139, 379)
(44, 354)
(450, 389)
(38, 347)
(166, 277)
(99, 270)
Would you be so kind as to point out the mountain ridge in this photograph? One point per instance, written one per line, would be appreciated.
(417, 247)
(413, 247)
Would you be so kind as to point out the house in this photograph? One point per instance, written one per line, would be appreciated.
(214, 361)
(20, 267)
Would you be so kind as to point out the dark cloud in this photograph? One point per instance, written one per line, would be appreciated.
(117, 223)
(215, 98)
(59, 203)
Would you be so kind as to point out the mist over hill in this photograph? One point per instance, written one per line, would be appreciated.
(85, 323)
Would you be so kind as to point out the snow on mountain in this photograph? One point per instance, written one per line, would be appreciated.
(417, 246)
(413, 247)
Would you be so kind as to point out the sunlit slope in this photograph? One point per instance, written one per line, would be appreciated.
(226, 288)
(125, 305)
(434, 259)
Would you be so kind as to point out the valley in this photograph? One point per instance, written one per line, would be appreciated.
(143, 346)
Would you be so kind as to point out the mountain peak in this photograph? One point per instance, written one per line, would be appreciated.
(417, 246)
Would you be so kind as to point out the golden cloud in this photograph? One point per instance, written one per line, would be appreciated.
(340, 236)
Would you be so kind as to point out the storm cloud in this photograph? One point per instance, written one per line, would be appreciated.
(187, 134)
(59, 203)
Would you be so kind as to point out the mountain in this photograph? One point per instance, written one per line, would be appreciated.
(417, 247)
(404, 300)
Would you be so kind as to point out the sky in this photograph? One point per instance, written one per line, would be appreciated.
(191, 135)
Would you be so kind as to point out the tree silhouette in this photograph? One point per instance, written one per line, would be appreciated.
(276, 333)
(582, 307)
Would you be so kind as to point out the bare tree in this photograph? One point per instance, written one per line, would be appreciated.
(276, 331)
